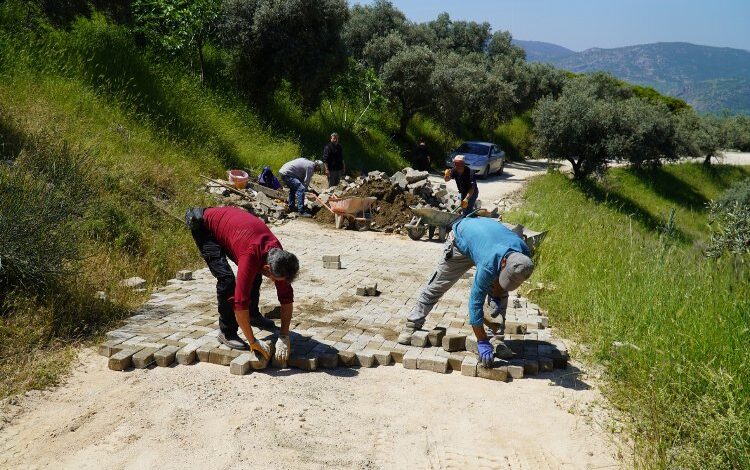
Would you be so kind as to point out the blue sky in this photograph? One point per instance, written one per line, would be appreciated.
(579, 24)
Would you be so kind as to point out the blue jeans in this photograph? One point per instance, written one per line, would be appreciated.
(296, 193)
(472, 200)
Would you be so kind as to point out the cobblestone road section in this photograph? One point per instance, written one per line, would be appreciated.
(332, 325)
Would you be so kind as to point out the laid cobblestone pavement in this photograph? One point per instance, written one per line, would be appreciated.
(332, 325)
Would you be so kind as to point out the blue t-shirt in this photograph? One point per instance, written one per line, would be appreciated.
(486, 242)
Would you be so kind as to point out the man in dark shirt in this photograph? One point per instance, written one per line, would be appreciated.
(230, 232)
(333, 157)
(466, 183)
(421, 156)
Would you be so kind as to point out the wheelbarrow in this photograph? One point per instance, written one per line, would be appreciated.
(428, 219)
(357, 211)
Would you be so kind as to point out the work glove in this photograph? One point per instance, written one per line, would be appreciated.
(486, 352)
(283, 348)
(464, 203)
(261, 348)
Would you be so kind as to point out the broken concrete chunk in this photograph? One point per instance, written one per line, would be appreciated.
(185, 275)
(134, 283)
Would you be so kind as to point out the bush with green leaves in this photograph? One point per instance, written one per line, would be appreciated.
(406, 78)
(730, 220)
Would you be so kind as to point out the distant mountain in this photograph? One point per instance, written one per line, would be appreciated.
(711, 79)
(537, 51)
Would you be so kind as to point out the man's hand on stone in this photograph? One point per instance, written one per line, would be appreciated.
(283, 349)
(261, 348)
(486, 352)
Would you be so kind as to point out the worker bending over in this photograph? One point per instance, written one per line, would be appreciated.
(502, 260)
(230, 232)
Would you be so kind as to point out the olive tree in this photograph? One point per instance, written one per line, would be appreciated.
(177, 25)
(294, 40)
(406, 81)
(367, 22)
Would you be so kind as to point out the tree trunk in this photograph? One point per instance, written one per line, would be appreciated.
(576, 168)
(403, 124)
(707, 160)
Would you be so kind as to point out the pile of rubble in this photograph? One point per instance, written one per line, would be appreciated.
(266, 203)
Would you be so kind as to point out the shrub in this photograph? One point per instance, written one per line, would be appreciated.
(730, 218)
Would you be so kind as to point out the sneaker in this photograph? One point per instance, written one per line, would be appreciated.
(407, 332)
(233, 341)
(262, 322)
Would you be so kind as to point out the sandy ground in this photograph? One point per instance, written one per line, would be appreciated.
(200, 416)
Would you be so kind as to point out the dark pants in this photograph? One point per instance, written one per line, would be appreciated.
(296, 193)
(334, 177)
(472, 201)
(216, 259)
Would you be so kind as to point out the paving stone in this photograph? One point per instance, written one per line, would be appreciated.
(184, 275)
(187, 354)
(410, 359)
(122, 360)
(203, 351)
(332, 265)
(328, 360)
(371, 290)
(366, 358)
(471, 344)
(420, 339)
(454, 342)
(515, 371)
(223, 357)
(165, 356)
(546, 364)
(435, 336)
(303, 362)
(347, 358)
(383, 357)
(530, 366)
(499, 373)
(455, 359)
(469, 366)
(240, 365)
(110, 347)
(144, 358)
(331, 258)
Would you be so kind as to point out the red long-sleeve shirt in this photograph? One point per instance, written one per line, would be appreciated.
(246, 240)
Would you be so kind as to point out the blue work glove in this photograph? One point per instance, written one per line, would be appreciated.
(486, 352)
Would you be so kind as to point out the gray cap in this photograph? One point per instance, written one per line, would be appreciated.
(518, 268)
(319, 164)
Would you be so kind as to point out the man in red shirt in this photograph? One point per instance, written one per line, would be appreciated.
(230, 232)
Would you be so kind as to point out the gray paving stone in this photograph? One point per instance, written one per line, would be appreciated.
(165, 356)
(240, 365)
(420, 339)
(411, 358)
(366, 358)
(454, 342)
(469, 366)
(435, 336)
(144, 358)
(122, 360)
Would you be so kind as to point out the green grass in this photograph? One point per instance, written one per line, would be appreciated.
(612, 275)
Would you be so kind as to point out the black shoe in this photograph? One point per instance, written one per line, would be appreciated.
(262, 322)
(234, 342)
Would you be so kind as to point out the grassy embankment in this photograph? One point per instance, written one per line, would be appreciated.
(146, 129)
(617, 269)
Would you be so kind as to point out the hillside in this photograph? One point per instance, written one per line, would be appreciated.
(711, 79)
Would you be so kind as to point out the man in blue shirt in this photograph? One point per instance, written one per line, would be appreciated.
(502, 260)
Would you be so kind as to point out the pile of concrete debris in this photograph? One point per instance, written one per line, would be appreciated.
(266, 203)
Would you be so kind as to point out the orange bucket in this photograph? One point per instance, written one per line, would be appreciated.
(238, 178)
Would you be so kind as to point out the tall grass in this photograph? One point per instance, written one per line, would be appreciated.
(612, 274)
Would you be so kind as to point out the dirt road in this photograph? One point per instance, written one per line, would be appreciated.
(200, 416)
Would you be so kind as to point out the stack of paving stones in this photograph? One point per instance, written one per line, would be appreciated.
(332, 326)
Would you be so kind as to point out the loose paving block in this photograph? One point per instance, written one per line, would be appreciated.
(204, 351)
(515, 371)
(165, 356)
(455, 360)
(332, 265)
(184, 275)
(240, 365)
(121, 360)
(383, 358)
(499, 373)
(257, 362)
(530, 366)
(331, 258)
(469, 366)
(366, 358)
(410, 359)
(471, 344)
(347, 358)
(144, 358)
(435, 336)
(328, 360)
(187, 354)
(307, 363)
(454, 342)
(110, 347)
(223, 357)
(361, 291)
(397, 353)
(436, 364)
(371, 290)
(420, 339)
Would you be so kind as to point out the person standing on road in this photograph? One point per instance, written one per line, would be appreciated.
(231, 232)
(466, 183)
(333, 156)
(503, 262)
(422, 159)
(297, 175)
